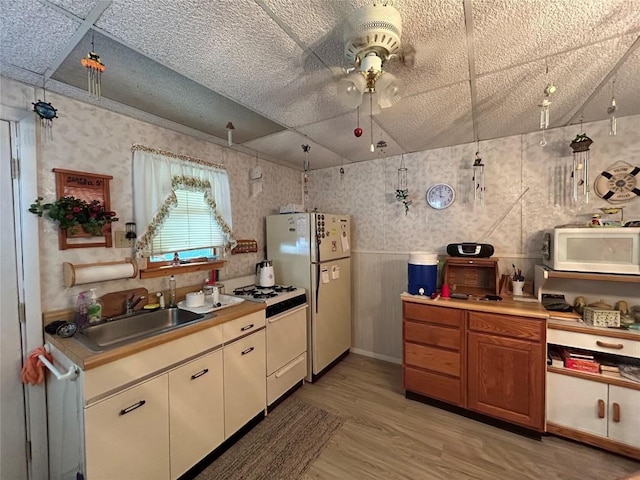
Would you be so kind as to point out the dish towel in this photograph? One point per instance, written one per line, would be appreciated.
(33, 368)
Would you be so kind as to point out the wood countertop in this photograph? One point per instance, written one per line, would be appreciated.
(87, 359)
(507, 306)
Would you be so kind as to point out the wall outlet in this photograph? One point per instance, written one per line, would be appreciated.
(121, 239)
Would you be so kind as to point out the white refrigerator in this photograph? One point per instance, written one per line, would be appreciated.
(312, 251)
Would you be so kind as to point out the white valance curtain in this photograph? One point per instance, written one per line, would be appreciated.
(156, 173)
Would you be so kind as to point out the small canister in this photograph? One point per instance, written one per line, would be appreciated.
(215, 295)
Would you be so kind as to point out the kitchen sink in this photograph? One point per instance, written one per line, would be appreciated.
(124, 329)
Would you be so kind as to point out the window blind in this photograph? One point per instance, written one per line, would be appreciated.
(189, 225)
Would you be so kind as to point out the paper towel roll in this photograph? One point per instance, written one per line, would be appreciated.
(98, 272)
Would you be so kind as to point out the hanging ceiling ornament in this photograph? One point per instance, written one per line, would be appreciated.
(230, 128)
(402, 190)
(478, 179)
(544, 107)
(611, 111)
(47, 113)
(580, 173)
(94, 72)
(305, 149)
(358, 131)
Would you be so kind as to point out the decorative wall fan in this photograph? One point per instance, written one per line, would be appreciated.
(372, 37)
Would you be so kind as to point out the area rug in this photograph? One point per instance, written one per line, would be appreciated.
(282, 446)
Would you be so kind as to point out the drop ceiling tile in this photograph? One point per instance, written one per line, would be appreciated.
(137, 81)
(338, 134)
(627, 92)
(287, 147)
(508, 32)
(508, 100)
(32, 35)
(81, 8)
(431, 120)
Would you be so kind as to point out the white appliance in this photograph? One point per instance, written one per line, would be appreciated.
(312, 250)
(593, 249)
(264, 274)
(286, 334)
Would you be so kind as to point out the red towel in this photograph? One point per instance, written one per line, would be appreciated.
(33, 369)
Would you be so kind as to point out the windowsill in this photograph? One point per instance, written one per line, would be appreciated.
(167, 270)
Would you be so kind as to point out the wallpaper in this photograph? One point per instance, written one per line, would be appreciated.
(91, 139)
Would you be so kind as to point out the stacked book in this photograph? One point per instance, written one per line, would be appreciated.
(576, 360)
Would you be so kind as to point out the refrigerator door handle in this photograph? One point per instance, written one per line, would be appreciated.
(317, 285)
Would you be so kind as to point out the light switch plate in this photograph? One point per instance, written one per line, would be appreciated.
(121, 240)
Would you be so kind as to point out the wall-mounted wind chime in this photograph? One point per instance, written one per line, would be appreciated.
(580, 173)
(255, 178)
(305, 149)
(402, 190)
(544, 106)
(94, 72)
(46, 113)
(478, 179)
(611, 111)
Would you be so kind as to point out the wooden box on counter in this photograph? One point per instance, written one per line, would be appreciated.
(474, 276)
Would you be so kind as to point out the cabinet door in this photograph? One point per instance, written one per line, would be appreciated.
(624, 415)
(505, 379)
(577, 403)
(196, 411)
(245, 381)
(127, 435)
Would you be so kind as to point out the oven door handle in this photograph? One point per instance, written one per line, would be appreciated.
(282, 315)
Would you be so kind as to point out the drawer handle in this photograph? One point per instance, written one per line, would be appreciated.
(600, 408)
(248, 350)
(617, 346)
(199, 374)
(131, 408)
(247, 327)
(616, 412)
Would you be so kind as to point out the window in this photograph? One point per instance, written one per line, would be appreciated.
(190, 229)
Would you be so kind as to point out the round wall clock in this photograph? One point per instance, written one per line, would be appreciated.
(618, 183)
(440, 195)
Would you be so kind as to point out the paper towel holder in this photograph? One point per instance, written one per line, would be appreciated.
(98, 272)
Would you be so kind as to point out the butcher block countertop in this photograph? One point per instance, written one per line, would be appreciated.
(507, 306)
(87, 359)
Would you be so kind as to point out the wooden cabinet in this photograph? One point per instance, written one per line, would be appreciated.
(489, 363)
(505, 362)
(474, 276)
(127, 435)
(433, 352)
(196, 411)
(245, 384)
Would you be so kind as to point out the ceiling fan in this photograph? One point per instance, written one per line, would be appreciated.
(371, 37)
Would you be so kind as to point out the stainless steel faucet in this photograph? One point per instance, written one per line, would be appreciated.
(130, 303)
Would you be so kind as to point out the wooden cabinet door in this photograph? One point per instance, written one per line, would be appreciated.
(196, 411)
(577, 403)
(245, 381)
(624, 415)
(505, 379)
(127, 435)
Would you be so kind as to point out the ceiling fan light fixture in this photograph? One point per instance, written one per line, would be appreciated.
(390, 90)
(350, 89)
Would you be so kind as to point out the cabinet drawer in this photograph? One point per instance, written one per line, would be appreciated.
(434, 335)
(427, 313)
(242, 326)
(434, 359)
(433, 385)
(285, 378)
(597, 343)
(507, 325)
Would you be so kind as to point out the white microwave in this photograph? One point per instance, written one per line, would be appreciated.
(593, 249)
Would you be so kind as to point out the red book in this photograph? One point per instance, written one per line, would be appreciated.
(582, 365)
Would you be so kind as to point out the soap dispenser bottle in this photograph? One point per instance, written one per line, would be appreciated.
(82, 318)
(94, 311)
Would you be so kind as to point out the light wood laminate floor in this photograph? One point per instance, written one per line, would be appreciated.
(386, 436)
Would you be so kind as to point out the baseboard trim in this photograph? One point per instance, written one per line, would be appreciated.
(377, 356)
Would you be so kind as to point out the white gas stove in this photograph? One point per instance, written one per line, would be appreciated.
(278, 298)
